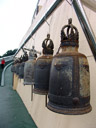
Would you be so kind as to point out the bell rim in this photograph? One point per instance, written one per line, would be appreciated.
(40, 92)
(70, 111)
(48, 56)
(68, 54)
(28, 83)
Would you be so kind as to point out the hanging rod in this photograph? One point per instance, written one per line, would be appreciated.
(85, 25)
(41, 21)
(82, 19)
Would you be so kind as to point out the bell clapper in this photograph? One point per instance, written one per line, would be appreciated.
(46, 100)
(31, 92)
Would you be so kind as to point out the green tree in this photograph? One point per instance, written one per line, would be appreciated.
(9, 52)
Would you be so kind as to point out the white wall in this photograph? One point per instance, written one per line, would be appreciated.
(41, 115)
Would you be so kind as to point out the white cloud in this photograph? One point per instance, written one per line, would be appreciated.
(15, 19)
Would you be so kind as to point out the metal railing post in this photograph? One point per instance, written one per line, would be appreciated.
(3, 74)
(85, 25)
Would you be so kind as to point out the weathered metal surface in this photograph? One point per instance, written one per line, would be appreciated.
(29, 72)
(30, 66)
(21, 67)
(17, 63)
(21, 70)
(12, 68)
(17, 68)
(42, 72)
(84, 77)
(69, 86)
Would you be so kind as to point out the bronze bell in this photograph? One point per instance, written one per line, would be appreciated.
(69, 87)
(29, 67)
(13, 67)
(17, 66)
(42, 68)
(21, 67)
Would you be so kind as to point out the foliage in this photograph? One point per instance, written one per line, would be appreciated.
(9, 52)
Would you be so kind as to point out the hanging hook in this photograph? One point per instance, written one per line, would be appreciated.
(69, 2)
(33, 38)
(47, 24)
(46, 20)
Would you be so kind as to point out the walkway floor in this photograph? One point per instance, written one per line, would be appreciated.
(13, 113)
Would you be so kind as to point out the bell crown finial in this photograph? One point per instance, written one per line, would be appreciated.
(71, 37)
(48, 48)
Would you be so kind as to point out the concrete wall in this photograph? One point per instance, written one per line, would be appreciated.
(43, 117)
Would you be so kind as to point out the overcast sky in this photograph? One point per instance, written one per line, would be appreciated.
(15, 19)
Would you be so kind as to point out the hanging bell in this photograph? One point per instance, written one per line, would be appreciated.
(69, 87)
(15, 64)
(18, 65)
(13, 67)
(29, 67)
(21, 67)
(42, 68)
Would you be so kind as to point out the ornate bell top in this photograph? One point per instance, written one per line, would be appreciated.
(25, 57)
(32, 53)
(71, 37)
(20, 59)
(48, 48)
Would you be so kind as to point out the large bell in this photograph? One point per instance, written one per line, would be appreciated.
(29, 67)
(69, 88)
(42, 68)
(21, 67)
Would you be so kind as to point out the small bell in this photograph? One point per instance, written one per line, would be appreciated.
(69, 86)
(19, 61)
(42, 68)
(21, 67)
(13, 67)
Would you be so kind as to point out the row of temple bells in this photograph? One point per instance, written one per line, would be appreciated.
(69, 85)
(64, 77)
(18, 65)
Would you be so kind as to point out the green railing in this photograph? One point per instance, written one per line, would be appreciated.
(1, 70)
